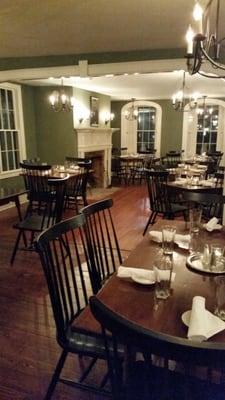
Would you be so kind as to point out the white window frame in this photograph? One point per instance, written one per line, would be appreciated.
(19, 125)
(129, 128)
(190, 129)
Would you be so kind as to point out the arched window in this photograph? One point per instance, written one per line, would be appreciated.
(143, 133)
(204, 132)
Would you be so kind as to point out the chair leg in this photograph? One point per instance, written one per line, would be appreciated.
(56, 375)
(152, 215)
(16, 247)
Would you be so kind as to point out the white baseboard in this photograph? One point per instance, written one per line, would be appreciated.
(23, 199)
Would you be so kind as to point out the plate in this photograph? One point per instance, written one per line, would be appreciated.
(186, 317)
(194, 262)
(142, 281)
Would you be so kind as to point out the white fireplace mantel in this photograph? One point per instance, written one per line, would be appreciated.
(97, 139)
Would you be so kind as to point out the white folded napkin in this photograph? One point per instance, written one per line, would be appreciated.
(163, 275)
(180, 240)
(181, 182)
(126, 272)
(141, 273)
(212, 224)
(202, 323)
(207, 183)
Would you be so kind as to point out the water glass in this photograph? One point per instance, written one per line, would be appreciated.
(217, 257)
(195, 215)
(168, 236)
(163, 271)
(220, 297)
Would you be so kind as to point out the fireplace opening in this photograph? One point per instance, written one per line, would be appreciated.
(97, 176)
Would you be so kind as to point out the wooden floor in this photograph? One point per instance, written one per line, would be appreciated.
(28, 348)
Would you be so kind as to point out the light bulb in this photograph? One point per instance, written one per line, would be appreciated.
(52, 99)
(197, 14)
(189, 38)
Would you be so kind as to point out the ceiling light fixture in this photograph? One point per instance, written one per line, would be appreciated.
(206, 45)
(60, 101)
(181, 99)
(131, 113)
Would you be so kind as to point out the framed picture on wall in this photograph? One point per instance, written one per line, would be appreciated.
(94, 108)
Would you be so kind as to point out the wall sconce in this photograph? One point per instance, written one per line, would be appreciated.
(83, 115)
(109, 117)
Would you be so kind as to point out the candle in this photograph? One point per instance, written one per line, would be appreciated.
(197, 14)
(189, 39)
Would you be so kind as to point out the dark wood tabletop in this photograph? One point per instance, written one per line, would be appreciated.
(8, 195)
(137, 302)
(194, 188)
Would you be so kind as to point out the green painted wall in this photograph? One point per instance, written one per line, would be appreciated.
(172, 126)
(171, 130)
(54, 131)
(55, 134)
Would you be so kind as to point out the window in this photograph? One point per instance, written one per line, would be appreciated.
(12, 144)
(142, 133)
(207, 130)
(146, 128)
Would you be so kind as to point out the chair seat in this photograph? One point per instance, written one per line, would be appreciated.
(33, 223)
(175, 207)
(90, 345)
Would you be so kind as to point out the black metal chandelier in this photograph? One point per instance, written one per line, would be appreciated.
(182, 101)
(60, 101)
(207, 45)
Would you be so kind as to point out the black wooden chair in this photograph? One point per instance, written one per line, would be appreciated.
(45, 208)
(143, 380)
(172, 159)
(210, 203)
(69, 274)
(159, 198)
(103, 238)
(76, 190)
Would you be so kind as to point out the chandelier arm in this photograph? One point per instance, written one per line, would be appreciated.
(211, 76)
(214, 63)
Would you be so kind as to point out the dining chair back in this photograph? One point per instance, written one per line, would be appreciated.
(143, 379)
(46, 203)
(159, 197)
(103, 238)
(76, 190)
(66, 264)
(172, 159)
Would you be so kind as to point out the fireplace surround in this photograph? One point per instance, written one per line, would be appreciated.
(97, 141)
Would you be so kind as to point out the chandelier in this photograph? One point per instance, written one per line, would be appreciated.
(60, 101)
(181, 99)
(203, 109)
(206, 45)
(132, 112)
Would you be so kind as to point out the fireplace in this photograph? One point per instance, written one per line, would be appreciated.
(97, 158)
(96, 143)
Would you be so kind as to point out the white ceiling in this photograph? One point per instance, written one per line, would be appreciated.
(143, 86)
(30, 28)
(52, 27)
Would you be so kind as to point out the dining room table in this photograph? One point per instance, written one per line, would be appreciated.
(137, 302)
(12, 195)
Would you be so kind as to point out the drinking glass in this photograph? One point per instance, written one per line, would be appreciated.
(168, 235)
(195, 215)
(217, 258)
(220, 297)
(163, 270)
